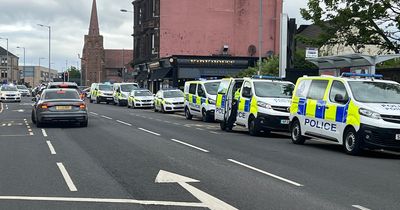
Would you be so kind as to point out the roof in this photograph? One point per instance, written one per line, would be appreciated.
(4, 52)
(117, 59)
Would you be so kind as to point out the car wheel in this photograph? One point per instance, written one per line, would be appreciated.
(204, 116)
(352, 143)
(187, 114)
(33, 117)
(129, 106)
(295, 131)
(253, 128)
(38, 123)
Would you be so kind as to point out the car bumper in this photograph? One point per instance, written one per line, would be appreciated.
(273, 122)
(144, 104)
(63, 117)
(10, 98)
(106, 98)
(379, 138)
(173, 108)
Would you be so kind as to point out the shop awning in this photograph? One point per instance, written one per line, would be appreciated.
(160, 74)
(142, 76)
(193, 73)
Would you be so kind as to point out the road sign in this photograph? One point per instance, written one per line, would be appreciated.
(311, 52)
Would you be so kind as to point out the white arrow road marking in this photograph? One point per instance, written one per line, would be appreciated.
(208, 200)
(360, 207)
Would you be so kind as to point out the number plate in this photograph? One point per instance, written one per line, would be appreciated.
(109, 99)
(62, 108)
(398, 137)
(285, 122)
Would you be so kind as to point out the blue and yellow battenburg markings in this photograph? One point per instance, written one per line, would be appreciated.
(320, 110)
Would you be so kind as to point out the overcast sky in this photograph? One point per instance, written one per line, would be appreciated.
(69, 20)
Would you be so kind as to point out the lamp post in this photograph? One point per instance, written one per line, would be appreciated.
(133, 27)
(260, 40)
(24, 62)
(49, 27)
(7, 54)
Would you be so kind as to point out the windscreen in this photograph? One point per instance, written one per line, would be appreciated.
(212, 87)
(128, 87)
(375, 92)
(143, 93)
(273, 89)
(173, 94)
(8, 88)
(22, 87)
(61, 94)
(105, 87)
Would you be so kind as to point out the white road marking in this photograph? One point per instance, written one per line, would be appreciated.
(93, 113)
(189, 145)
(176, 124)
(1, 107)
(167, 121)
(158, 120)
(6, 106)
(213, 132)
(200, 129)
(44, 133)
(154, 133)
(52, 150)
(266, 173)
(31, 133)
(360, 207)
(9, 124)
(104, 200)
(125, 123)
(30, 130)
(67, 178)
(28, 127)
(3, 125)
(106, 117)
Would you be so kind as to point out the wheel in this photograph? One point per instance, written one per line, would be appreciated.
(204, 116)
(253, 128)
(98, 100)
(352, 143)
(38, 123)
(33, 118)
(295, 131)
(133, 106)
(187, 114)
(84, 124)
(129, 106)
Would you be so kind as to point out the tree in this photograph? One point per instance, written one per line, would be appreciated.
(269, 66)
(357, 23)
(73, 72)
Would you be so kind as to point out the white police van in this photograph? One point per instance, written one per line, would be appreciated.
(121, 92)
(355, 110)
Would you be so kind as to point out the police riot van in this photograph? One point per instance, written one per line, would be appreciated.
(355, 110)
(121, 92)
(263, 104)
(200, 99)
(101, 93)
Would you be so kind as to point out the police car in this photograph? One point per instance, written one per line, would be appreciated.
(101, 93)
(169, 100)
(200, 99)
(121, 92)
(141, 98)
(262, 105)
(9, 93)
(355, 110)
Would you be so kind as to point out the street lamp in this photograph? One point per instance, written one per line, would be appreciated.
(24, 61)
(7, 54)
(260, 39)
(49, 27)
(133, 26)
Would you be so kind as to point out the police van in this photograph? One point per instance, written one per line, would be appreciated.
(355, 110)
(121, 92)
(263, 104)
(200, 99)
(101, 92)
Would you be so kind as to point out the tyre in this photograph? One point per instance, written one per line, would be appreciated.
(204, 116)
(38, 123)
(187, 114)
(129, 106)
(84, 124)
(295, 131)
(352, 143)
(33, 118)
(253, 128)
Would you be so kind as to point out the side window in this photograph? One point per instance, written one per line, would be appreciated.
(317, 89)
(223, 87)
(192, 89)
(303, 88)
(246, 92)
(338, 93)
(200, 91)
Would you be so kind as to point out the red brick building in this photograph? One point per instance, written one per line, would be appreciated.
(99, 64)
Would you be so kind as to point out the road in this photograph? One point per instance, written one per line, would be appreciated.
(139, 159)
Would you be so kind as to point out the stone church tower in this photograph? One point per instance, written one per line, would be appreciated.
(93, 56)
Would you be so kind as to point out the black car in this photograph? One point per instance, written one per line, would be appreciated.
(59, 105)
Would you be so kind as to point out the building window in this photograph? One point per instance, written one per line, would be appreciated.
(3, 74)
(154, 8)
(140, 16)
(153, 49)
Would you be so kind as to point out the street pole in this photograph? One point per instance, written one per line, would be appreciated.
(24, 63)
(7, 56)
(260, 33)
(49, 27)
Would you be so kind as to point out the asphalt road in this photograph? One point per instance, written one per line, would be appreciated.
(135, 159)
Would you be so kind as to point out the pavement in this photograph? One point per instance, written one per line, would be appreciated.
(139, 159)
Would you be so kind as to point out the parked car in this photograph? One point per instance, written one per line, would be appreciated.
(141, 98)
(23, 90)
(9, 93)
(169, 100)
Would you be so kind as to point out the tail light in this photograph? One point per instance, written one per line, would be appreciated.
(44, 106)
(82, 106)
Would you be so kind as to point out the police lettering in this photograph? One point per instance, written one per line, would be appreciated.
(242, 115)
(321, 125)
(219, 110)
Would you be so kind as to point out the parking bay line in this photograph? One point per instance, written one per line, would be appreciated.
(151, 132)
(52, 150)
(360, 207)
(103, 116)
(189, 145)
(125, 123)
(266, 173)
(67, 178)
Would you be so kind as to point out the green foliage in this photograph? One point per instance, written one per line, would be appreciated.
(357, 23)
(268, 67)
(74, 72)
(390, 64)
(300, 61)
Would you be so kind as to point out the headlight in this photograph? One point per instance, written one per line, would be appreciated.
(264, 105)
(369, 113)
(169, 103)
(211, 101)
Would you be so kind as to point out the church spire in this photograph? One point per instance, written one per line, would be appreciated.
(94, 22)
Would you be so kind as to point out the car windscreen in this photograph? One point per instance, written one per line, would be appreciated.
(8, 88)
(128, 87)
(63, 86)
(212, 87)
(105, 87)
(143, 93)
(61, 94)
(375, 92)
(273, 89)
(22, 87)
(173, 94)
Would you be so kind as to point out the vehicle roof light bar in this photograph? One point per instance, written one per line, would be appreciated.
(377, 76)
(266, 77)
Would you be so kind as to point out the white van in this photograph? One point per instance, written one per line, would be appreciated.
(121, 92)
(101, 93)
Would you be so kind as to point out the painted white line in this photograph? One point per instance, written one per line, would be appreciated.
(52, 150)
(200, 129)
(28, 127)
(1, 107)
(176, 124)
(213, 132)
(67, 178)
(360, 207)
(44, 133)
(9, 124)
(93, 113)
(3, 125)
(167, 121)
(158, 120)
(104, 200)
(154, 133)
(106, 117)
(31, 133)
(125, 123)
(25, 120)
(189, 145)
(266, 173)
(30, 130)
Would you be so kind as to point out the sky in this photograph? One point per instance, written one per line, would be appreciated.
(69, 21)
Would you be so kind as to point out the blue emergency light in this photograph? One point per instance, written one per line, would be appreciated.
(377, 76)
(266, 77)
